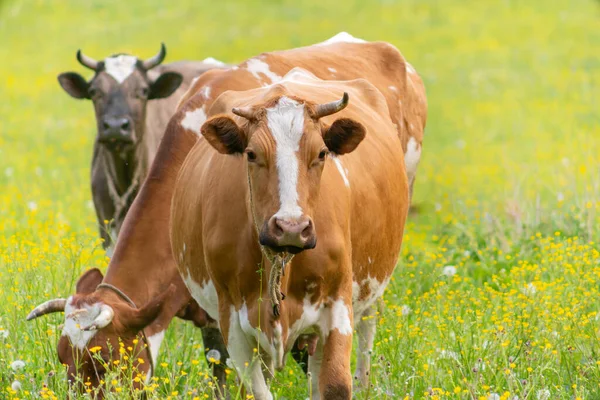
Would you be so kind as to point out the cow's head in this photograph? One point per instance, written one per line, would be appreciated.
(101, 331)
(285, 143)
(120, 90)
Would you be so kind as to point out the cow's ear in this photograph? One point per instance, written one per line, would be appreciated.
(225, 135)
(344, 135)
(165, 85)
(88, 282)
(137, 319)
(74, 84)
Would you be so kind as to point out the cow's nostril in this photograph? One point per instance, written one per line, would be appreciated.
(105, 125)
(125, 125)
(307, 231)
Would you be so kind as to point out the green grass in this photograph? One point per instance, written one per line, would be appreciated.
(507, 190)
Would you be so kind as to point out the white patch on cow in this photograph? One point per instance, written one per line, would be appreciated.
(393, 88)
(78, 318)
(286, 123)
(299, 75)
(342, 37)
(193, 120)
(256, 67)
(365, 330)
(120, 67)
(213, 61)
(370, 261)
(412, 157)
(241, 353)
(410, 68)
(205, 92)
(373, 288)
(205, 295)
(340, 318)
(258, 335)
(154, 341)
(278, 346)
(342, 171)
(332, 70)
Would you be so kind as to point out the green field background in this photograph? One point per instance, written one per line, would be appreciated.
(507, 192)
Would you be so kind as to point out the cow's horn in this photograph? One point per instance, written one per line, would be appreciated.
(326, 109)
(87, 61)
(244, 112)
(104, 318)
(51, 306)
(157, 59)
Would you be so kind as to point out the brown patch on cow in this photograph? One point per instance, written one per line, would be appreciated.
(365, 291)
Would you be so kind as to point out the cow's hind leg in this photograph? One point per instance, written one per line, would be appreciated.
(366, 327)
(335, 379)
(241, 352)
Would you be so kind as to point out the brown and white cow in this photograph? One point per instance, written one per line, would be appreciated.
(136, 301)
(296, 171)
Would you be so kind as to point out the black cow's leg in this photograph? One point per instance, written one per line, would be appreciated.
(213, 340)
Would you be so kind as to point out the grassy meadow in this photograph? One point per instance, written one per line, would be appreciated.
(496, 293)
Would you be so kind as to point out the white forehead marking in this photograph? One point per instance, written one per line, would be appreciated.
(256, 66)
(412, 157)
(77, 318)
(213, 61)
(193, 120)
(342, 37)
(286, 123)
(340, 168)
(120, 67)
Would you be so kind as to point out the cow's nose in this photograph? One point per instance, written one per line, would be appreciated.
(289, 234)
(116, 129)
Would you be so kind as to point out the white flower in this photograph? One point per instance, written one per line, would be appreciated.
(438, 207)
(16, 386)
(213, 355)
(17, 365)
(3, 333)
(467, 253)
(461, 144)
(529, 290)
(32, 205)
(560, 197)
(449, 271)
(406, 310)
(9, 171)
(494, 396)
(543, 394)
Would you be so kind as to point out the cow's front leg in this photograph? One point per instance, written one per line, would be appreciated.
(366, 327)
(335, 378)
(241, 352)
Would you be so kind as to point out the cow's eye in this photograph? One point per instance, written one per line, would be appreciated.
(92, 92)
(323, 154)
(251, 155)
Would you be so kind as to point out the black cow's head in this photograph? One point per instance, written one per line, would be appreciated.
(120, 90)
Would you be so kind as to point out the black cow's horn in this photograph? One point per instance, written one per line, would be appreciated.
(87, 61)
(51, 306)
(326, 109)
(157, 59)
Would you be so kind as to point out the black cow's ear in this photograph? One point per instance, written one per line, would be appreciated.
(344, 135)
(88, 282)
(224, 135)
(74, 85)
(165, 85)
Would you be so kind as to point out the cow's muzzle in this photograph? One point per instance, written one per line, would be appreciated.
(115, 131)
(291, 235)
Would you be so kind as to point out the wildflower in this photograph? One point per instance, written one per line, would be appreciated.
(405, 310)
(16, 386)
(494, 396)
(543, 394)
(17, 365)
(449, 271)
(213, 356)
(32, 205)
(529, 290)
(3, 333)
